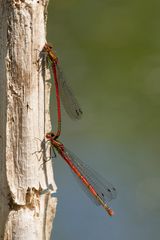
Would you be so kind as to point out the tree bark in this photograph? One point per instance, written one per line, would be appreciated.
(25, 213)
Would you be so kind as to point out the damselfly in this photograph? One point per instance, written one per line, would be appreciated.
(100, 191)
(63, 90)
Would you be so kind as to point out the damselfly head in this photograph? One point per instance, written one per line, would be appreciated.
(52, 55)
(50, 135)
(47, 47)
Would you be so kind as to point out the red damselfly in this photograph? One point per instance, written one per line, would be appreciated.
(99, 190)
(63, 90)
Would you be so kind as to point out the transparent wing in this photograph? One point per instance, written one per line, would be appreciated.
(104, 189)
(69, 101)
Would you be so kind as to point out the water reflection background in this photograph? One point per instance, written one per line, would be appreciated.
(110, 53)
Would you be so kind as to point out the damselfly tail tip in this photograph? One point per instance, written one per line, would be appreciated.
(110, 212)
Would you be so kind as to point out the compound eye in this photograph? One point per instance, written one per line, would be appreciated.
(50, 46)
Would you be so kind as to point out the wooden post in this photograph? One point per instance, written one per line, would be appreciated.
(25, 213)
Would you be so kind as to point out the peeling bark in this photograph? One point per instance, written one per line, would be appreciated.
(25, 213)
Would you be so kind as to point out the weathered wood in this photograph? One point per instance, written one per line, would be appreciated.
(25, 213)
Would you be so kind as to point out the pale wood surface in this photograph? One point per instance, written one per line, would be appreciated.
(25, 213)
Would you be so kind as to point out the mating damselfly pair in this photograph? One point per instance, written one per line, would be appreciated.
(99, 190)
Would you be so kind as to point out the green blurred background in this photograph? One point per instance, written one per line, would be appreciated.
(110, 53)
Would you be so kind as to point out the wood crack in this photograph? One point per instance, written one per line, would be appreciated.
(13, 91)
(32, 201)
